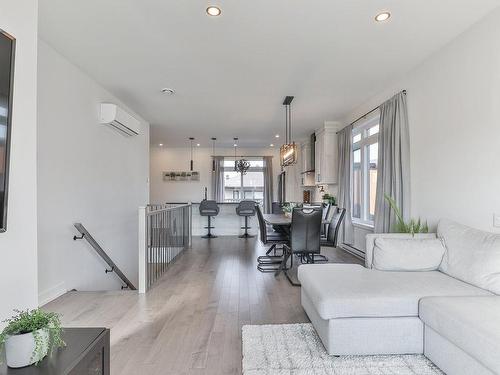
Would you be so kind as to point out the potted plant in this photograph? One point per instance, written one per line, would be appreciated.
(29, 336)
(413, 226)
(288, 208)
(329, 199)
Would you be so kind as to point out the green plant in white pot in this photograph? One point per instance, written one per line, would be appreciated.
(288, 208)
(29, 336)
(329, 199)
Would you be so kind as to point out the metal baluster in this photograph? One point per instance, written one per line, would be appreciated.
(158, 243)
(165, 243)
(150, 247)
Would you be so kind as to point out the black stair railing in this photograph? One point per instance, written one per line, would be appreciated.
(84, 234)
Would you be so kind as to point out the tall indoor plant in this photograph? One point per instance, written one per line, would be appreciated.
(412, 226)
(29, 336)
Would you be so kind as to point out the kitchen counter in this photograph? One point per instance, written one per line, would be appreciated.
(197, 203)
(227, 223)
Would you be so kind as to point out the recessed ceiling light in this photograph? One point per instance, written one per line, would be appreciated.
(277, 136)
(381, 17)
(168, 91)
(198, 145)
(271, 145)
(161, 145)
(213, 11)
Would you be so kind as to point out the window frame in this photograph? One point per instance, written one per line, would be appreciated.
(362, 128)
(242, 189)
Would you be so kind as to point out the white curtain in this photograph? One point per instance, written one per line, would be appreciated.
(393, 162)
(218, 179)
(344, 193)
(268, 184)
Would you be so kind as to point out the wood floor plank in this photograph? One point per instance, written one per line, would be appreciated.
(190, 321)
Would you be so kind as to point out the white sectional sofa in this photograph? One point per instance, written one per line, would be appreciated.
(431, 294)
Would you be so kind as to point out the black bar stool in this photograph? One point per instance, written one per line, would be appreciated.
(246, 209)
(210, 209)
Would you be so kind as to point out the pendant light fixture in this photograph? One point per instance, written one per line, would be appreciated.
(288, 151)
(241, 165)
(213, 154)
(191, 139)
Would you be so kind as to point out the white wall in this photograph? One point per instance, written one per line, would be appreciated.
(87, 173)
(177, 159)
(18, 246)
(454, 113)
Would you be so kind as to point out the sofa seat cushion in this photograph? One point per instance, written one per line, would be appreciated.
(350, 290)
(471, 323)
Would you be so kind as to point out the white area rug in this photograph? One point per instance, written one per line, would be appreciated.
(295, 349)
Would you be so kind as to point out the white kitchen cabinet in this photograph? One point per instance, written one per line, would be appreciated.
(326, 155)
(307, 169)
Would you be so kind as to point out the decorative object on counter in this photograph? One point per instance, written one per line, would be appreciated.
(241, 165)
(330, 199)
(181, 176)
(29, 336)
(191, 164)
(412, 226)
(288, 151)
(213, 153)
(306, 196)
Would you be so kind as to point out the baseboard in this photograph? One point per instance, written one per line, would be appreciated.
(51, 294)
(353, 251)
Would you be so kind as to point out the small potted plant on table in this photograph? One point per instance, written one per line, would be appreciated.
(329, 199)
(29, 336)
(288, 208)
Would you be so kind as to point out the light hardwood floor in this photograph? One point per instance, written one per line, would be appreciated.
(190, 322)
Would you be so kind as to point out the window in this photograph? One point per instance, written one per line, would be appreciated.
(249, 186)
(364, 169)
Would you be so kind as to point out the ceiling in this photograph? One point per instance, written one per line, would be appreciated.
(231, 73)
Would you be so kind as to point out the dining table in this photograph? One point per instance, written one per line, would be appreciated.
(283, 220)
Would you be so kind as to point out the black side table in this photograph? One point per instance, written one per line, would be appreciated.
(86, 352)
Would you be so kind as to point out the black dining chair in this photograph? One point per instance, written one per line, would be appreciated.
(327, 208)
(277, 208)
(269, 263)
(305, 233)
(331, 236)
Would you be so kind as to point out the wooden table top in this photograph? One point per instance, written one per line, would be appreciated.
(282, 220)
(77, 340)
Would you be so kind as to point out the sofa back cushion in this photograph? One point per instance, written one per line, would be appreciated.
(407, 254)
(471, 255)
(370, 242)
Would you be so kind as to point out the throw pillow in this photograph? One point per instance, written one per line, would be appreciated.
(395, 254)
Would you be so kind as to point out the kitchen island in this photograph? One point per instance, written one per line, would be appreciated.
(227, 223)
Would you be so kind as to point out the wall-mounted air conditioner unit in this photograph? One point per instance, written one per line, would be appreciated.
(116, 117)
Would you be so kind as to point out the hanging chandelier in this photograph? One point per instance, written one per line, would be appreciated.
(288, 151)
(241, 165)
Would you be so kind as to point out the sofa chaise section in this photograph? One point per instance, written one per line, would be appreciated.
(362, 311)
(462, 334)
